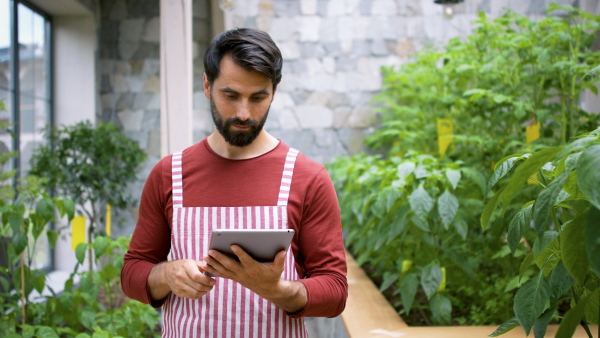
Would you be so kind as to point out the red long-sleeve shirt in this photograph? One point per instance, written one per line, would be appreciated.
(210, 180)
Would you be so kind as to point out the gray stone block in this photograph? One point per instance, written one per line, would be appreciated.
(131, 30)
(322, 8)
(353, 139)
(338, 100)
(141, 101)
(124, 101)
(346, 63)
(284, 29)
(332, 48)
(286, 8)
(201, 9)
(340, 117)
(299, 96)
(152, 30)
(379, 48)
(143, 8)
(314, 116)
(381, 28)
(365, 7)
(147, 50)
(131, 120)
(384, 7)
(311, 50)
(151, 120)
(127, 49)
(151, 66)
(361, 48)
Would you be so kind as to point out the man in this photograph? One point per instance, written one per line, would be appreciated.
(243, 177)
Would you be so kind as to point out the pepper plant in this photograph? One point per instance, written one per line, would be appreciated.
(510, 73)
(562, 228)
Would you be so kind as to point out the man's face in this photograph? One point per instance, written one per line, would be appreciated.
(234, 130)
(239, 102)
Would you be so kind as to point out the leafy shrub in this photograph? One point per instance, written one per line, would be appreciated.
(509, 74)
(562, 226)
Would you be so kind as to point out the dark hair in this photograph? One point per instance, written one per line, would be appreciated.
(249, 48)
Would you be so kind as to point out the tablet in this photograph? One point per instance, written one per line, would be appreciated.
(260, 244)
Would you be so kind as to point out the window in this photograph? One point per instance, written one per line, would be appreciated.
(25, 87)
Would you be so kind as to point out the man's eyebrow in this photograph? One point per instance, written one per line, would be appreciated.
(233, 91)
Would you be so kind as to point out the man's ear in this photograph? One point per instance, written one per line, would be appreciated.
(206, 85)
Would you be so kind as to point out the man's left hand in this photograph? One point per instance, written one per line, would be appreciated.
(262, 278)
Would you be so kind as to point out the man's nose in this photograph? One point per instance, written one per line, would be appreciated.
(243, 112)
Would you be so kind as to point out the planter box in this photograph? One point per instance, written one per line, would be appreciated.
(368, 315)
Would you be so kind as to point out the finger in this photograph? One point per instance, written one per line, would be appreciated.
(241, 254)
(216, 262)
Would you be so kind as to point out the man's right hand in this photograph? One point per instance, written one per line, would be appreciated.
(185, 278)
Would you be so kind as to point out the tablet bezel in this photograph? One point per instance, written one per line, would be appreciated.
(261, 244)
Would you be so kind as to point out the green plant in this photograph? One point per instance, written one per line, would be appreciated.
(562, 226)
(511, 72)
(91, 165)
(25, 220)
(416, 210)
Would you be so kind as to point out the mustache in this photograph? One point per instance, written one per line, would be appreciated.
(239, 122)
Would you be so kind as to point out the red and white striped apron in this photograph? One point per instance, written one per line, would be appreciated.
(229, 309)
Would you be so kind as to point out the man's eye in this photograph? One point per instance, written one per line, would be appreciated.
(258, 98)
(230, 96)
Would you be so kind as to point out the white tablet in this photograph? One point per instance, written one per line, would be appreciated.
(260, 244)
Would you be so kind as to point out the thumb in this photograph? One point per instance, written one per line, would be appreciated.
(201, 265)
(280, 258)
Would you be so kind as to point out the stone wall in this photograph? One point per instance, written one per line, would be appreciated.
(128, 75)
(333, 51)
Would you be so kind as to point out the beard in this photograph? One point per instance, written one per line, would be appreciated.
(237, 138)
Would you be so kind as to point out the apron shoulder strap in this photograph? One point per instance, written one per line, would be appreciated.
(286, 177)
(177, 179)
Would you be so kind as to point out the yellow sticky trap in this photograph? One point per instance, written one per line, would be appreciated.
(445, 130)
(108, 220)
(532, 132)
(77, 231)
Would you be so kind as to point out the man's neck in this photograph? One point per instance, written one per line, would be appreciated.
(263, 143)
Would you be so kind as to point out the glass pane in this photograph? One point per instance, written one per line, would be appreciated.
(33, 101)
(4, 45)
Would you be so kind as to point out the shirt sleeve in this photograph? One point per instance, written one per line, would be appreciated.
(322, 251)
(151, 240)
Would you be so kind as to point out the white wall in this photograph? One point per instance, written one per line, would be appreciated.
(74, 69)
(74, 92)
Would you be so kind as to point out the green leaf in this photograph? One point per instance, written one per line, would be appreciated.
(545, 201)
(502, 170)
(591, 312)
(461, 226)
(490, 208)
(541, 324)
(592, 239)
(525, 264)
(46, 332)
(505, 327)
(530, 301)
(420, 202)
(389, 278)
(525, 170)
(431, 277)
(421, 224)
(80, 252)
(573, 317)
(517, 227)
(45, 207)
(560, 282)
(100, 245)
(52, 238)
(441, 309)
(453, 176)
(20, 242)
(588, 174)
(408, 289)
(447, 207)
(549, 257)
(87, 319)
(405, 169)
(39, 283)
(572, 246)
(476, 177)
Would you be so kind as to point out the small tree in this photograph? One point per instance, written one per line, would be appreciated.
(91, 165)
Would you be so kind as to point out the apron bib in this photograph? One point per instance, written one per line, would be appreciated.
(229, 309)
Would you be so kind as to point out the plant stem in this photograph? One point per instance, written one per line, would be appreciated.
(587, 329)
(23, 288)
